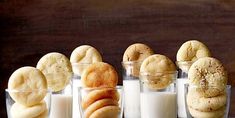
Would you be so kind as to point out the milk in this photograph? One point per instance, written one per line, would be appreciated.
(158, 105)
(61, 106)
(132, 98)
(76, 84)
(181, 97)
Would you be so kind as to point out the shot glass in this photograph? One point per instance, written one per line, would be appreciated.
(158, 95)
(100, 102)
(24, 111)
(221, 112)
(131, 87)
(183, 67)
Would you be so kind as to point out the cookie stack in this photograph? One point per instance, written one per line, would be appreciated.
(206, 96)
(28, 86)
(101, 101)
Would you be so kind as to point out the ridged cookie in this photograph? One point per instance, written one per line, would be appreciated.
(213, 114)
(57, 69)
(106, 112)
(134, 56)
(21, 111)
(82, 56)
(159, 70)
(209, 75)
(99, 94)
(27, 86)
(192, 50)
(99, 74)
(99, 104)
(198, 102)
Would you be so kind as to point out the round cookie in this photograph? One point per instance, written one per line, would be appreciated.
(134, 56)
(209, 76)
(99, 104)
(27, 86)
(158, 70)
(213, 114)
(57, 69)
(199, 102)
(99, 74)
(106, 112)
(192, 50)
(21, 111)
(83, 56)
(95, 95)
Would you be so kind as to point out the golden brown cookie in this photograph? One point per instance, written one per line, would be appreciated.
(106, 112)
(158, 70)
(209, 75)
(212, 114)
(27, 86)
(99, 104)
(98, 94)
(99, 74)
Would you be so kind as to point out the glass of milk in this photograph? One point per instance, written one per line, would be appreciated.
(83, 93)
(62, 102)
(225, 109)
(157, 101)
(10, 102)
(183, 67)
(131, 89)
(77, 70)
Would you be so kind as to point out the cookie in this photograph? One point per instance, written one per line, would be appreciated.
(135, 53)
(198, 102)
(27, 86)
(21, 111)
(213, 114)
(44, 114)
(99, 104)
(57, 69)
(83, 56)
(106, 112)
(209, 76)
(192, 50)
(158, 70)
(98, 94)
(99, 74)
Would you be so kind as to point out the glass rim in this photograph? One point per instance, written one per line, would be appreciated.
(33, 90)
(194, 86)
(157, 73)
(130, 62)
(96, 88)
(75, 63)
(184, 62)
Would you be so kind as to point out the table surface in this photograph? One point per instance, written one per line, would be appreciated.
(31, 28)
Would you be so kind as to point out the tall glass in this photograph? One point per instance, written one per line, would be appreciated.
(217, 106)
(131, 89)
(17, 110)
(77, 70)
(183, 67)
(61, 103)
(101, 102)
(158, 95)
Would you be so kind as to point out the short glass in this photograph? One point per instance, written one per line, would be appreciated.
(77, 70)
(96, 102)
(23, 111)
(158, 95)
(219, 112)
(131, 88)
(62, 103)
(183, 67)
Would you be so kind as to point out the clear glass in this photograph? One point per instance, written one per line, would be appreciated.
(158, 95)
(183, 67)
(77, 70)
(131, 88)
(61, 103)
(24, 111)
(221, 112)
(97, 104)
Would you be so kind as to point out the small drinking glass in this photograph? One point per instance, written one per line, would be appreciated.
(90, 107)
(158, 95)
(222, 112)
(20, 113)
